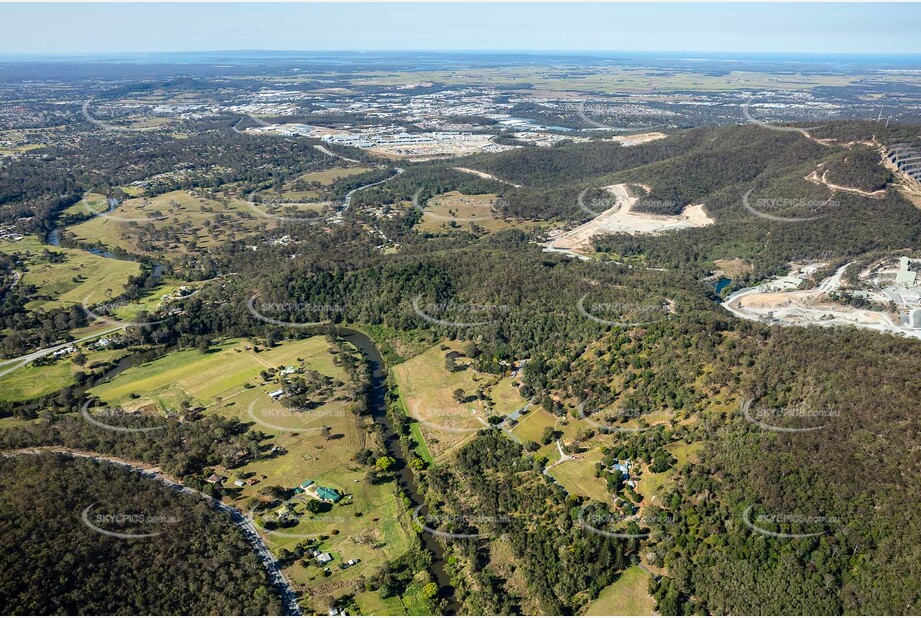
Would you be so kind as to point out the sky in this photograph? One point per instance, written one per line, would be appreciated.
(45, 28)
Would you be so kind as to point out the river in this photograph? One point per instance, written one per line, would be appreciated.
(378, 407)
(54, 239)
(405, 478)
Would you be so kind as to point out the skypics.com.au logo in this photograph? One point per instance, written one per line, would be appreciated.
(457, 521)
(623, 314)
(773, 419)
(276, 208)
(786, 523)
(105, 416)
(746, 112)
(620, 525)
(121, 525)
(603, 201)
(766, 207)
(280, 313)
(583, 115)
(301, 420)
(459, 315)
(102, 311)
(620, 415)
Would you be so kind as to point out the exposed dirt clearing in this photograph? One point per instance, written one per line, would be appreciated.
(621, 218)
(639, 138)
(467, 170)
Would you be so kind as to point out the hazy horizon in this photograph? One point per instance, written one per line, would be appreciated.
(92, 29)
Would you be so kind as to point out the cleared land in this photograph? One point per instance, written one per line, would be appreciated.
(456, 211)
(329, 176)
(202, 378)
(578, 476)
(628, 596)
(652, 486)
(67, 276)
(178, 221)
(639, 138)
(505, 397)
(368, 524)
(621, 219)
(803, 307)
(34, 381)
(486, 175)
(611, 80)
(427, 392)
(438, 148)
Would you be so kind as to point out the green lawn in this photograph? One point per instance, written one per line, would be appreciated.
(193, 217)
(427, 392)
(372, 604)
(33, 381)
(505, 397)
(80, 275)
(578, 476)
(531, 426)
(628, 596)
(368, 525)
(329, 176)
(655, 485)
(421, 449)
(222, 372)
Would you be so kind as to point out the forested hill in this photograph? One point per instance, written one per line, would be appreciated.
(717, 167)
(849, 488)
(194, 562)
(698, 366)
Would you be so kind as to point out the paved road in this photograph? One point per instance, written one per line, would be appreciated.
(25, 359)
(246, 525)
(259, 121)
(347, 201)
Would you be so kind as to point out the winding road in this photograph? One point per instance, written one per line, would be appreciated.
(246, 525)
(799, 313)
(329, 152)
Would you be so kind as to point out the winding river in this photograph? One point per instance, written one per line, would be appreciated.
(405, 479)
(404, 475)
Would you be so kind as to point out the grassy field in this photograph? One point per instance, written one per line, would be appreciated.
(311, 191)
(427, 391)
(610, 80)
(153, 299)
(456, 211)
(628, 596)
(33, 381)
(371, 604)
(532, 425)
(77, 276)
(422, 449)
(198, 220)
(20, 149)
(331, 175)
(578, 476)
(505, 397)
(367, 525)
(653, 485)
(202, 378)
